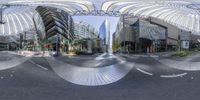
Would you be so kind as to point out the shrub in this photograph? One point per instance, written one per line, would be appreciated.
(182, 53)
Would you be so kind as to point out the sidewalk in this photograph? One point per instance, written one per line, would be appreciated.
(21, 53)
(165, 58)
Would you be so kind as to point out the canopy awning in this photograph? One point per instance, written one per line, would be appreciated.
(181, 13)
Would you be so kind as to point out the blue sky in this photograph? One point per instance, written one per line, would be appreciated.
(96, 21)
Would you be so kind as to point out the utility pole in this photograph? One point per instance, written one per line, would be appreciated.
(57, 44)
(123, 32)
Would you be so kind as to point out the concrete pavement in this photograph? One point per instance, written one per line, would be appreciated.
(28, 81)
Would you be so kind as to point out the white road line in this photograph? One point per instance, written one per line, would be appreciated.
(38, 65)
(32, 62)
(41, 67)
(98, 64)
(144, 71)
(173, 76)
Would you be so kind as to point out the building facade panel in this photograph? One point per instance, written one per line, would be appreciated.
(148, 35)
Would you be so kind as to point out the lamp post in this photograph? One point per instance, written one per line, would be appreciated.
(35, 28)
(123, 31)
(57, 44)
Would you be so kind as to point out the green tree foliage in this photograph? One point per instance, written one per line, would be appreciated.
(116, 45)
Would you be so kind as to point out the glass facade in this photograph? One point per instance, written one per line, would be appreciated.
(152, 32)
(58, 25)
(104, 34)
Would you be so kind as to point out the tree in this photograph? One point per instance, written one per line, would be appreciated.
(116, 45)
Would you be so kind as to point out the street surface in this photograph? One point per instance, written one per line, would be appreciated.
(99, 77)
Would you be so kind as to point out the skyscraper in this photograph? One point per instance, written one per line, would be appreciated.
(104, 34)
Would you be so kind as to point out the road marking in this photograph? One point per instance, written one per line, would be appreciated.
(38, 65)
(173, 76)
(32, 62)
(100, 57)
(98, 64)
(41, 67)
(144, 71)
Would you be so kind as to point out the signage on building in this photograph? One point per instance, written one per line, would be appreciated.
(185, 44)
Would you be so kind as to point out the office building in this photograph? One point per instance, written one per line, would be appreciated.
(137, 35)
(104, 34)
(86, 38)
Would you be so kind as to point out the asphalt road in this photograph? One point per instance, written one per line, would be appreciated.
(148, 80)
